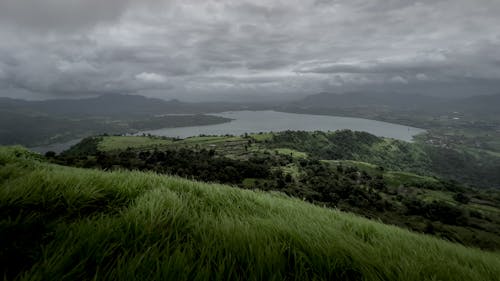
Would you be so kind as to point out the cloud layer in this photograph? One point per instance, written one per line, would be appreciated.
(215, 49)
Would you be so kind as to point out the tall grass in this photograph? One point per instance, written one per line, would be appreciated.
(65, 223)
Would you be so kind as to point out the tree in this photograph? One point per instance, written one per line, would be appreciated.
(461, 198)
(50, 154)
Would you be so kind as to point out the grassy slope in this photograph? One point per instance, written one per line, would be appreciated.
(110, 143)
(74, 224)
(482, 228)
(482, 213)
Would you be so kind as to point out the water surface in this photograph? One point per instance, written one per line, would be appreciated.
(273, 121)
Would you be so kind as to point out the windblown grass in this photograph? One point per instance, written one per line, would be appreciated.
(61, 223)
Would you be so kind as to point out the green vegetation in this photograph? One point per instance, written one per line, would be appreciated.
(364, 166)
(401, 178)
(62, 223)
(291, 152)
(454, 164)
(262, 136)
(427, 204)
(462, 141)
(124, 142)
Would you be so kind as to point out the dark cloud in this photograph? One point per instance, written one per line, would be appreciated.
(55, 15)
(242, 49)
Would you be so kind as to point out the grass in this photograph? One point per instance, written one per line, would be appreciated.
(438, 195)
(478, 152)
(120, 143)
(113, 143)
(61, 223)
(292, 152)
(364, 166)
(262, 136)
(396, 178)
(485, 208)
(292, 170)
(393, 178)
(205, 139)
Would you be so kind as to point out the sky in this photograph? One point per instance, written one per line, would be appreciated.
(196, 50)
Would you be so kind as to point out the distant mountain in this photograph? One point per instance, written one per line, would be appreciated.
(487, 104)
(113, 105)
(350, 100)
(107, 105)
(35, 123)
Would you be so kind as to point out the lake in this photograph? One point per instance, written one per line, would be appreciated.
(273, 121)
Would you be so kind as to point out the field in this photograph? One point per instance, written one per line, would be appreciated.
(62, 223)
(233, 146)
(123, 142)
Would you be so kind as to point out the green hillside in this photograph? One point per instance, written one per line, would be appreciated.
(474, 167)
(62, 223)
(315, 169)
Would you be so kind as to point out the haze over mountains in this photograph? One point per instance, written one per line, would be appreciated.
(136, 105)
(403, 102)
(113, 105)
(359, 99)
(35, 123)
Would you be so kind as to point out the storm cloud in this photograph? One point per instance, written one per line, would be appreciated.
(269, 49)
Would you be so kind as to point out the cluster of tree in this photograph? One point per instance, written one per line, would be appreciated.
(342, 187)
(480, 169)
(203, 165)
(437, 211)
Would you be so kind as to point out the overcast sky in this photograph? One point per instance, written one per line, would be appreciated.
(222, 49)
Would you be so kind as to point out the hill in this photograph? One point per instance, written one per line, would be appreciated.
(62, 223)
(37, 123)
(476, 168)
(345, 170)
(468, 125)
(108, 105)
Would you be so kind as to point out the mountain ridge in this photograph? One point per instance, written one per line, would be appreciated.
(116, 105)
(481, 104)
